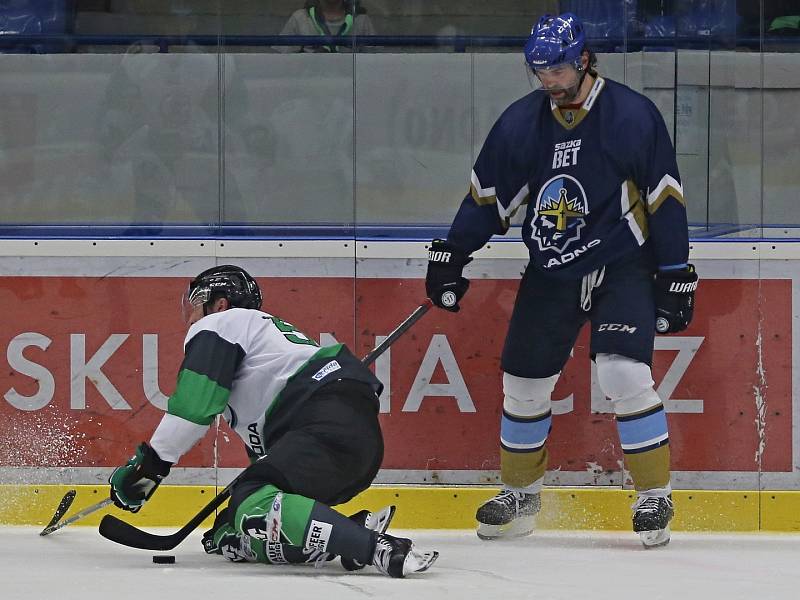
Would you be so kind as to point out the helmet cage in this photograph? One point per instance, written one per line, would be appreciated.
(191, 299)
(198, 296)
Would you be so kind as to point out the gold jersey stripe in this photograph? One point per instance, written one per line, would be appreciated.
(666, 193)
(637, 208)
(481, 200)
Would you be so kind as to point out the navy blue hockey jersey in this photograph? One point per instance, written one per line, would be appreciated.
(599, 182)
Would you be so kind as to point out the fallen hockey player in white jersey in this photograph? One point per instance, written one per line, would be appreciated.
(296, 406)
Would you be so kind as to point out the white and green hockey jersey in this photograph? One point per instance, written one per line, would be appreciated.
(248, 366)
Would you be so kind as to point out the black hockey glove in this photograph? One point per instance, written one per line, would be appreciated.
(133, 483)
(443, 283)
(675, 299)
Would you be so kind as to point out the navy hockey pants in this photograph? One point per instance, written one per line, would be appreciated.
(548, 316)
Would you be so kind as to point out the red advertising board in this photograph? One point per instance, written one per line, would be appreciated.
(84, 354)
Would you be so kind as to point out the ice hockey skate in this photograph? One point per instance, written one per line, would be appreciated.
(376, 521)
(397, 557)
(651, 517)
(508, 515)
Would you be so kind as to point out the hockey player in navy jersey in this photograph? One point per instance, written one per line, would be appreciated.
(606, 229)
(308, 416)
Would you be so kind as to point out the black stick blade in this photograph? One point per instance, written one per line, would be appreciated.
(126, 534)
(62, 509)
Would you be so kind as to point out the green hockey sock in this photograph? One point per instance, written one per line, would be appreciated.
(274, 517)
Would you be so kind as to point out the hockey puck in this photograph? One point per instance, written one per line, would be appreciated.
(163, 559)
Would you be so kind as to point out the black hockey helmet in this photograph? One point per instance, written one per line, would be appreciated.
(229, 281)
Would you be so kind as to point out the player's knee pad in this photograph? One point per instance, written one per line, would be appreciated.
(641, 420)
(628, 383)
(527, 397)
(526, 419)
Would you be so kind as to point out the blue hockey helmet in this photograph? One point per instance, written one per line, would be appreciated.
(555, 40)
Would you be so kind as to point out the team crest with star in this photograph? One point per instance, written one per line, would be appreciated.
(560, 211)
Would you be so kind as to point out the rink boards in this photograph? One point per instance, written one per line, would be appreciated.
(441, 507)
(93, 341)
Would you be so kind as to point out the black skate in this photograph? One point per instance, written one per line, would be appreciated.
(397, 557)
(651, 517)
(377, 521)
(508, 515)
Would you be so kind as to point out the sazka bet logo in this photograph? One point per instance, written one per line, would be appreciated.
(559, 214)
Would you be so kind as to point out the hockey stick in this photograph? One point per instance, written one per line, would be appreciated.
(400, 330)
(61, 510)
(77, 516)
(126, 534)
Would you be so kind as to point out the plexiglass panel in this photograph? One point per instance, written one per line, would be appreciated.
(288, 132)
(413, 132)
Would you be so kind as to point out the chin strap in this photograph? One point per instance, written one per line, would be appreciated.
(583, 76)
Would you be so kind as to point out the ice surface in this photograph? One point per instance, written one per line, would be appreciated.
(76, 563)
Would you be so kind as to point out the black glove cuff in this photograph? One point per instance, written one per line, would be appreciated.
(443, 253)
(677, 281)
(152, 465)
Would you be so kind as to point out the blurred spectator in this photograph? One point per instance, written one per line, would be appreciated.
(336, 18)
(773, 19)
(785, 25)
(782, 17)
